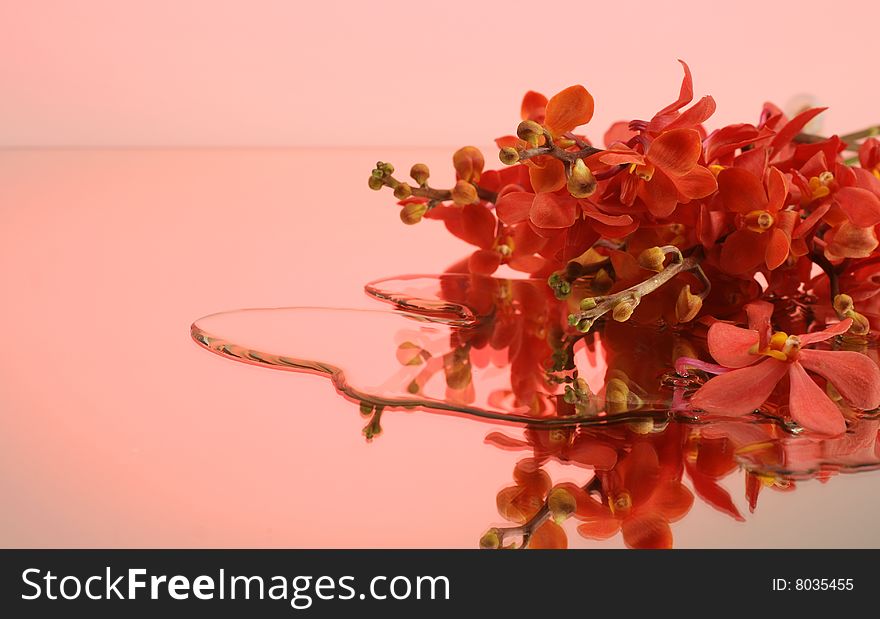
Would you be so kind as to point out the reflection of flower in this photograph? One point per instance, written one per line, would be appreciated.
(761, 359)
(643, 497)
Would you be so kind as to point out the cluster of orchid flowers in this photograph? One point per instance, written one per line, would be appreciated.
(673, 224)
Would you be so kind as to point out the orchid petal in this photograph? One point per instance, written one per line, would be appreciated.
(730, 345)
(826, 333)
(676, 152)
(742, 391)
(810, 406)
(855, 376)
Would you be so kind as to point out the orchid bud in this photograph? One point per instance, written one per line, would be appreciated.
(843, 303)
(587, 304)
(376, 182)
(402, 191)
(624, 309)
(420, 173)
(412, 212)
(491, 539)
(508, 155)
(468, 163)
(530, 131)
(652, 259)
(561, 504)
(688, 305)
(464, 193)
(581, 183)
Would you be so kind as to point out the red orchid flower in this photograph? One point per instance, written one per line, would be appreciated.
(643, 498)
(765, 229)
(666, 174)
(845, 198)
(760, 359)
(869, 156)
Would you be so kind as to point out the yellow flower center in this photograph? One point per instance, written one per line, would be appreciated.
(819, 185)
(621, 504)
(758, 221)
(781, 346)
(643, 171)
(716, 169)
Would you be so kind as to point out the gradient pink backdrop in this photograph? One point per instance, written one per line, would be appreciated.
(117, 430)
(276, 72)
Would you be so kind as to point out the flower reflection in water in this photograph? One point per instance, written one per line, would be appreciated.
(611, 406)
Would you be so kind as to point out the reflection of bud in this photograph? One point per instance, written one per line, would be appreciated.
(616, 394)
(581, 183)
(491, 539)
(561, 504)
(860, 324)
(688, 305)
(457, 367)
(402, 191)
(508, 155)
(412, 212)
(409, 353)
(464, 193)
(602, 282)
(420, 173)
(652, 259)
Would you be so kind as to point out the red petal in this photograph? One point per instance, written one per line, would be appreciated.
(672, 500)
(730, 345)
(713, 494)
(647, 531)
(552, 211)
(741, 391)
(777, 190)
(640, 471)
(533, 107)
(602, 528)
(568, 109)
(503, 441)
(697, 114)
(618, 132)
(592, 454)
(827, 333)
(484, 262)
(617, 156)
(794, 126)
(698, 183)
(741, 191)
(860, 205)
(659, 194)
(478, 225)
(548, 536)
(685, 95)
(742, 251)
(514, 207)
(525, 241)
(777, 248)
(676, 152)
(853, 374)
(810, 406)
(546, 174)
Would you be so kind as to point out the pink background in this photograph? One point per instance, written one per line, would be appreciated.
(278, 72)
(117, 430)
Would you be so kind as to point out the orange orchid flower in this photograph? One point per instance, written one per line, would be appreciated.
(765, 229)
